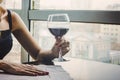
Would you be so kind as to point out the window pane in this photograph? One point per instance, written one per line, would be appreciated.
(13, 4)
(78, 4)
(15, 53)
(99, 42)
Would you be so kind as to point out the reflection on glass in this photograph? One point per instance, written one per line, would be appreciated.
(35, 4)
(13, 4)
(80, 4)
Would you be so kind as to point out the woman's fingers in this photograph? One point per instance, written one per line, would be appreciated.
(35, 70)
(65, 50)
(62, 43)
(22, 69)
(65, 47)
(17, 71)
(65, 44)
(24, 72)
(38, 72)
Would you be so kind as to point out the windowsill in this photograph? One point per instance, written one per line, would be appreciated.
(80, 69)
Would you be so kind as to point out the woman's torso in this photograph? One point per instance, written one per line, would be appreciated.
(6, 38)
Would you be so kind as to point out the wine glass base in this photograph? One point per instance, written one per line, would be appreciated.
(60, 60)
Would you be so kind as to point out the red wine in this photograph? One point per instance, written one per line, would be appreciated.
(58, 31)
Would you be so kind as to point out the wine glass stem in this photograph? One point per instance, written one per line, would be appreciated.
(60, 58)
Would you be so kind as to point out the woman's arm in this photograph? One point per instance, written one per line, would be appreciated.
(22, 34)
(27, 41)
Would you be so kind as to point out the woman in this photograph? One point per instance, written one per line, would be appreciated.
(10, 22)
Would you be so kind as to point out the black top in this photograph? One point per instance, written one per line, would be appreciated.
(6, 38)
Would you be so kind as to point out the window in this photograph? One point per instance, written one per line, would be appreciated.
(15, 53)
(13, 4)
(88, 41)
(78, 4)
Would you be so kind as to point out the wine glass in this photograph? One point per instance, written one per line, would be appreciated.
(58, 25)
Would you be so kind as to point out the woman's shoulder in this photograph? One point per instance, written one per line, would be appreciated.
(15, 20)
(14, 15)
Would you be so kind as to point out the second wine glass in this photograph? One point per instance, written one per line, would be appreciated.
(58, 25)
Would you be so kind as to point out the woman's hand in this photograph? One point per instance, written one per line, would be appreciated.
(46, 57)
(60, 44)
(21, 69)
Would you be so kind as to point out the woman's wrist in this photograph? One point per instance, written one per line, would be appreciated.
(45, 57)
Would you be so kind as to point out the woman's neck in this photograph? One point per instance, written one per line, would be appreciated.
(2, 12)
(2, 9)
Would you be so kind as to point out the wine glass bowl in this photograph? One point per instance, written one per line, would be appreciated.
(58, 25)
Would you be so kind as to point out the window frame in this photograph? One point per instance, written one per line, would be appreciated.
(83, 16)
